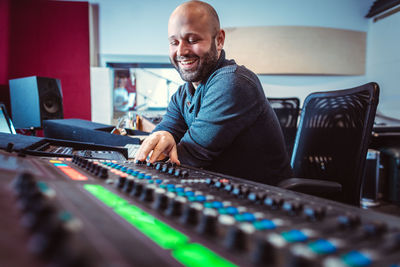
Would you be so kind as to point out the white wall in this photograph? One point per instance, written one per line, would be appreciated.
(383, 62)
(133, 28)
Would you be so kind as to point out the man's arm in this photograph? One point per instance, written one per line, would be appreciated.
(230, 105)
(162, 142)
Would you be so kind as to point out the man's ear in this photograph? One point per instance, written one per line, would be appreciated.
(220, 40)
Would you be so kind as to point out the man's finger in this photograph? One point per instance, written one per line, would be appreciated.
(173, 156)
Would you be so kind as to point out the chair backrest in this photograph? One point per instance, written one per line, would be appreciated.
(287, 110)
(333, 135)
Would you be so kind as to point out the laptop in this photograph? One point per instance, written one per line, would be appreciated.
(6, 125)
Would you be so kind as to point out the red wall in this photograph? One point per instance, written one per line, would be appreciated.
(49, 39)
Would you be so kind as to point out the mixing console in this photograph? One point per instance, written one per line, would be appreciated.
(85, 212)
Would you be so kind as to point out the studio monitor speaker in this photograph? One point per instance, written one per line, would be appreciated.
(34, 99)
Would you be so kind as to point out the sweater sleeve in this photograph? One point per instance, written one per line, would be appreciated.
(230, 104)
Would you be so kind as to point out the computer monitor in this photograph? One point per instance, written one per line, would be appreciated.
(6, 125)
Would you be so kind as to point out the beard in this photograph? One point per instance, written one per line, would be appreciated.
(205, 65)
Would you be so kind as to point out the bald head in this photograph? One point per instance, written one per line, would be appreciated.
(198, 11)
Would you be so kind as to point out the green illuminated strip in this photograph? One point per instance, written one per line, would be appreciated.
(162, 234)
(189, 254)
(196, 255)
(105, 196)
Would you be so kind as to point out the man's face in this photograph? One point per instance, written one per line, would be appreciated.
(192, 48)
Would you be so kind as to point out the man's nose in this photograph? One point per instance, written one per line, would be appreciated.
(182, 49)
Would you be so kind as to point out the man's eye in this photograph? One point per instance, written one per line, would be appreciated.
(173, 42)
(192, 41)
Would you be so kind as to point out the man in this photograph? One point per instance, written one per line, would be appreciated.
(219, 119)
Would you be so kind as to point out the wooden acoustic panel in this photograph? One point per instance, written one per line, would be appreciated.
(297, 50)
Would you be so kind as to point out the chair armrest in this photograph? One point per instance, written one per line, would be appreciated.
(310, 186)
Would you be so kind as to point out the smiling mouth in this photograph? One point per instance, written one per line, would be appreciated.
(187, 64)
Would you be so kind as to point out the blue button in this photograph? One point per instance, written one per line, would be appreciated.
(294, 236)
(189, 193)
(217, 204)
(170, 186)
(180, 189)
(245, 217)
(231, 210)
(148, 177)
(322, 246)
(200, 198)
(159, 181)
(356, 259)
(264, 225)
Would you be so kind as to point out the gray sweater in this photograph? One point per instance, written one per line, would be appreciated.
(227, 125)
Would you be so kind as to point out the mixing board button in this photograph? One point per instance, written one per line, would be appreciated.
(322, 247)
(356, 258)
(264, 224)
(293, 236)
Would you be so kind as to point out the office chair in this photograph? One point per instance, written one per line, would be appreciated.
(332, 141)
(287, 110)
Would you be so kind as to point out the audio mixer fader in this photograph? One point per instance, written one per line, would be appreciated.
(85, 212)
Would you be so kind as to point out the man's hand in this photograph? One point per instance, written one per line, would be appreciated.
(162, 143)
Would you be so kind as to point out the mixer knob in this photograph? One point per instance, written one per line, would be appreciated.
(147, 193)
(238, 235)
(177, 172)
(103, 174)
(374, 228)
(175, 205)
(208, 222)
(256, 197)
(137, 189)
(228, 187)
(292, 207)
(184, 174)
(348, 221)
(210, 181)
(158, 166)
(161, 199)
(273, 202)
(128, 185)
(164, 167)
(264, 253)
(149, 164)
(38, 215)
(240, 191)
(29, 199)
(24, 182)
(314, 213)
(121, 182)
(171, 170)
(140, 162)
(191, 213)
(48, 238)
